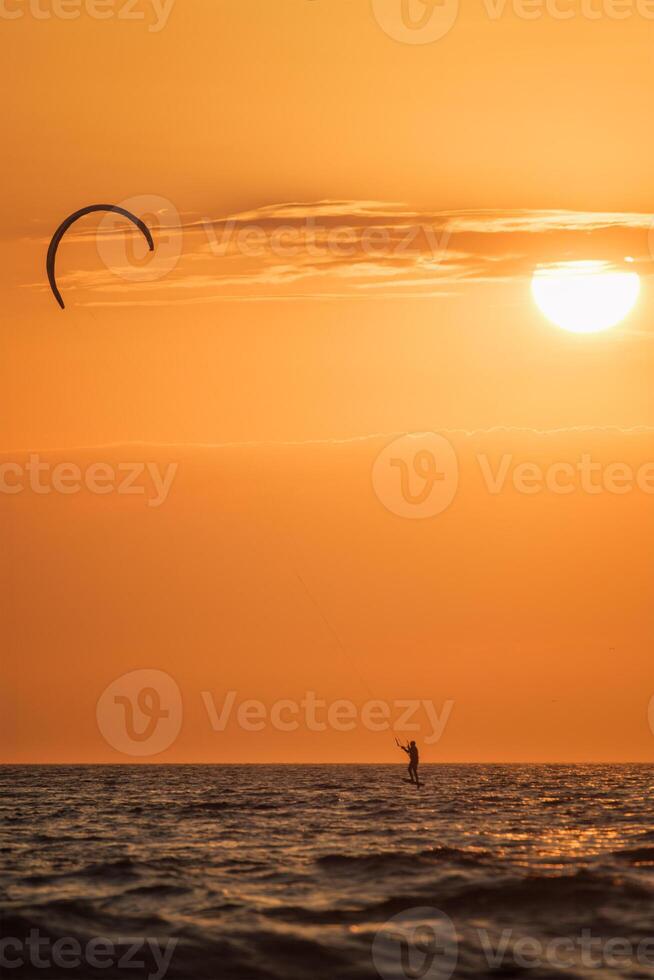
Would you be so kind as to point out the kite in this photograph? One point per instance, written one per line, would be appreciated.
(65, 225)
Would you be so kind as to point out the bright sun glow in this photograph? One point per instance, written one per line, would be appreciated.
(585, 297)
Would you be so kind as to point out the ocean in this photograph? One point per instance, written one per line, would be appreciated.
(340, 872)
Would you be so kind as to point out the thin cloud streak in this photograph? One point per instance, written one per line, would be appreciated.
(634, 430)
(341, 249)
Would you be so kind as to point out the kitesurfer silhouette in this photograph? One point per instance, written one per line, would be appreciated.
(414, 758)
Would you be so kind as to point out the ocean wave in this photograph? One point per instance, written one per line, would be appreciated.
(288, 873)
(636, 855)
(380, 860)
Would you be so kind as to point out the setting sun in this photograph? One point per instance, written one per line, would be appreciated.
(585, 297)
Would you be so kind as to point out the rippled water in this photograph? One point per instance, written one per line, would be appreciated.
(291, 871)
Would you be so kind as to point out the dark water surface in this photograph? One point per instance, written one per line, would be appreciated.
(292, 871)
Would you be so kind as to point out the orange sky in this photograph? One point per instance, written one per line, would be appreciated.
(401, 196)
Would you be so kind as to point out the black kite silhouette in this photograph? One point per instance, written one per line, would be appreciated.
(65, 225)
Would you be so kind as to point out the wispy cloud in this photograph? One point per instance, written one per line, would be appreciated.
(499, 431)
(344, 249)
